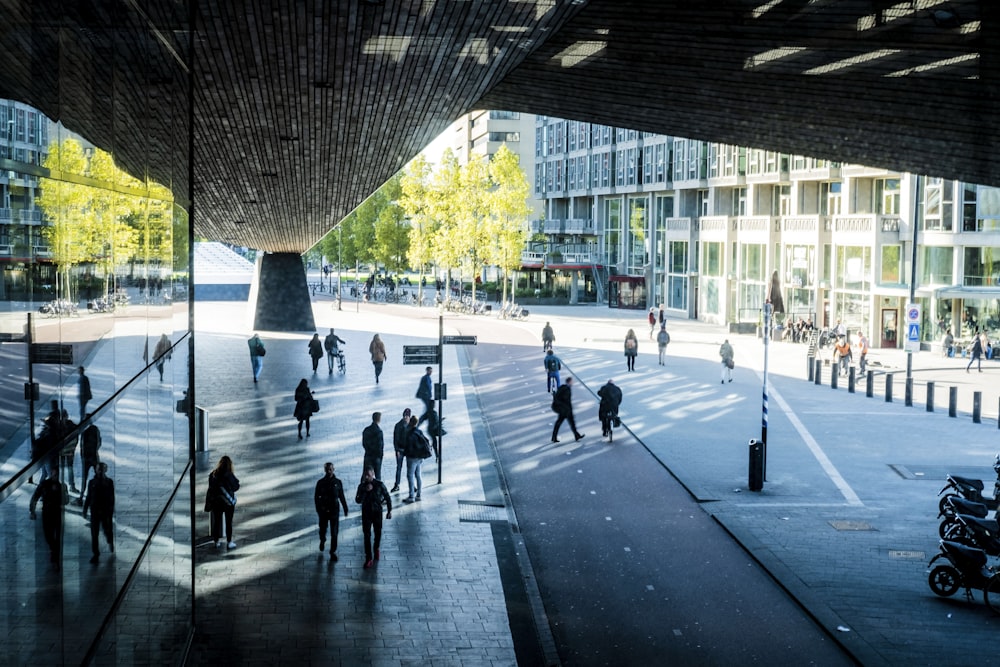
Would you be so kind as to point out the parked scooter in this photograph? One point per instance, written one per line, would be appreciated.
(957, 505)
(976, 532)
(959, 566)
(972, 489)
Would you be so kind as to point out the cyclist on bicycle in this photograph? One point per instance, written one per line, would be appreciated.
(548, 337)
(552, 367)
(330, 343)
(607, 412)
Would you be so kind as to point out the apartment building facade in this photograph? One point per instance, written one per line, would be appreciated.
(700, 227)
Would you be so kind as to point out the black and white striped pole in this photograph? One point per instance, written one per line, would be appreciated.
(768, 308)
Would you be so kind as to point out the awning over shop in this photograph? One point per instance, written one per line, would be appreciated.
(966, 292)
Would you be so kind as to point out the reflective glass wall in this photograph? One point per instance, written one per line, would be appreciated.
(94, 335)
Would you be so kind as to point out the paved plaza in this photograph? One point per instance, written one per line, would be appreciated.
(477, 572)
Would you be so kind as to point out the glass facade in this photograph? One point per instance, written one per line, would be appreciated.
(94, 260)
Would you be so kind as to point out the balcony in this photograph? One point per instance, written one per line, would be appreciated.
(578, 226)
(552, 227)
(536, 227)
(6, 216)
(30, 217)
(41, 251)
(532, 259)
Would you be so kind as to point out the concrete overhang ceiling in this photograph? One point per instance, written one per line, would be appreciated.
(302, 109)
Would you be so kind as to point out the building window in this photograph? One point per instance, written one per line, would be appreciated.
(981, 267)
(937, 205)
(702, 202)
(712, 264)
(830, 198)
(887, 196)
(892, 264)
(968, 208)
(854, 268)
(505, 115)
(677, 281)
(936, 265)
(510, 137)
(613, 230)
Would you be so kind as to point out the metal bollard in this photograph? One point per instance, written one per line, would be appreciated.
(952, 401)
(834, 377)
(818, 379)
(908, 393)
(810, 367)
(870, 384)
(850, 380)
(977, 407)
(930, 397)
(888, 387)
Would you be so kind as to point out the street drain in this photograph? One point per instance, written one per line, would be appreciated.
(851, 525)
(906, 555)
(474, 511)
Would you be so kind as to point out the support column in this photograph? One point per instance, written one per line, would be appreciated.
(574, 287)
(279, 294)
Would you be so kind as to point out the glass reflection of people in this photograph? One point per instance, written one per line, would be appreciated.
(101, 504)
(50, 492)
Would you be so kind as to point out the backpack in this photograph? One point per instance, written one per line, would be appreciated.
(420, 447)
(552, 364)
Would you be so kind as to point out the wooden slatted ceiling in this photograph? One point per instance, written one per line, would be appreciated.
(304, 108)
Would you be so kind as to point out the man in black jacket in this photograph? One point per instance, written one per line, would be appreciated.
(374, 445)
(371, 495)
(399, 445)
(425, 392)
(329, 498)
(611, 399)
(101, 503)
(562, 404)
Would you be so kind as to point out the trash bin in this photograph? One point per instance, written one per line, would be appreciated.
(756, 465)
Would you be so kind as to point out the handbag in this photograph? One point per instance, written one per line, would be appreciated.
(227, 497)
(314, 405)
(261, 351)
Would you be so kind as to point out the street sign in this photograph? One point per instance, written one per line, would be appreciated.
(912, 343)
(459, 340)
(420, 354)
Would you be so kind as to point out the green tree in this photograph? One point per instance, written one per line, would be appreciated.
(509, 210)
(446, 209)
(417, 201)
(391, 229)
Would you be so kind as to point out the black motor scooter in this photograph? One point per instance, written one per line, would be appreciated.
(957, 505)
(959, 566)
(976, 532)
(972, 489)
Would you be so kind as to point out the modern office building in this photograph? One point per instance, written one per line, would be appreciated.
(700, 227)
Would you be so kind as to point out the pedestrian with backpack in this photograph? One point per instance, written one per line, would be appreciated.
(552, 365)
(662, 340)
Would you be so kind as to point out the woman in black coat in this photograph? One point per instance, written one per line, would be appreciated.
(316, 350)
(303, 405)
(221, 499)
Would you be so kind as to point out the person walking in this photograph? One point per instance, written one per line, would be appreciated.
(399, 446)
(548, 337)
(662, 317)
(377, 349)
(976, 356)
(562, 405)
(632, 347)
(425, 392)
(329, 498)
(101, 504)
(662, 340)
(90, 444)
(331, 345)
(257, 352)
(553, 365)
(84, 392)
(373, 444)
(221, 500)
(948, 344)
(315, 350)
(372, 495)
(162, 353)
(863, 356)
(652, 322)
(303, 405)
(842, 349)
(418, 448)
(726, 352)
(611, 399)
(52, 494)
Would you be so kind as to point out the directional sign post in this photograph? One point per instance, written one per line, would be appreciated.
(459, 340)
(912, 327)
(423, 355)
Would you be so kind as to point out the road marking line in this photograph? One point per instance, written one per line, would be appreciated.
(824, 462)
